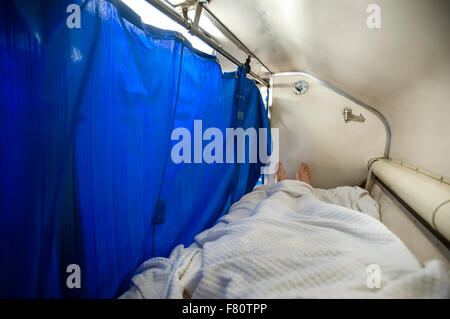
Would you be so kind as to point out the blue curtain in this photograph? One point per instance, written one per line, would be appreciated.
(86, 117)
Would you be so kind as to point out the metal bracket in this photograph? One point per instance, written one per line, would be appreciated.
(185, 4)
(198, 13)
(349, 116)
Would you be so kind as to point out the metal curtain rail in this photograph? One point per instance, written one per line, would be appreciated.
(351, 98)
(168, 10)
(232, 37)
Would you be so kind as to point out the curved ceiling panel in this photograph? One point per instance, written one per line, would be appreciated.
(402, 68)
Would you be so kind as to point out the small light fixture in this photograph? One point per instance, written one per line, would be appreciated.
(300, 87)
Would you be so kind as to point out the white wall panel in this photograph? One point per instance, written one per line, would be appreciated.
(312, 129)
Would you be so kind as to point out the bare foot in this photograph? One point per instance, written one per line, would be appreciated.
(281, 173)
(304, 173)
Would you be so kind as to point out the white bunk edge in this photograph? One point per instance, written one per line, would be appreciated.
(425, 200)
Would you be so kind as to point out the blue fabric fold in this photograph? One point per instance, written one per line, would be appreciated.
(86, 175)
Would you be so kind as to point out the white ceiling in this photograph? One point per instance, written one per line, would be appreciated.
(330, 39)
(401, 69)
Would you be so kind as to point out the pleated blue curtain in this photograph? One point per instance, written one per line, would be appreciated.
(195, 195)
(247, 112)
(122, 143)
(86, 120)
(33, 127)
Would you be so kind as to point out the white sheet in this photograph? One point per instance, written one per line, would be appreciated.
(292, 241)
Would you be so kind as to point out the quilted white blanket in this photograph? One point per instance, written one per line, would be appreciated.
(293, 241)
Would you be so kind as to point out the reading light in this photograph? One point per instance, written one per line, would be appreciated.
(300, 87)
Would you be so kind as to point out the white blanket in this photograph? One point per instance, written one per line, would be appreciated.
(292, 241)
